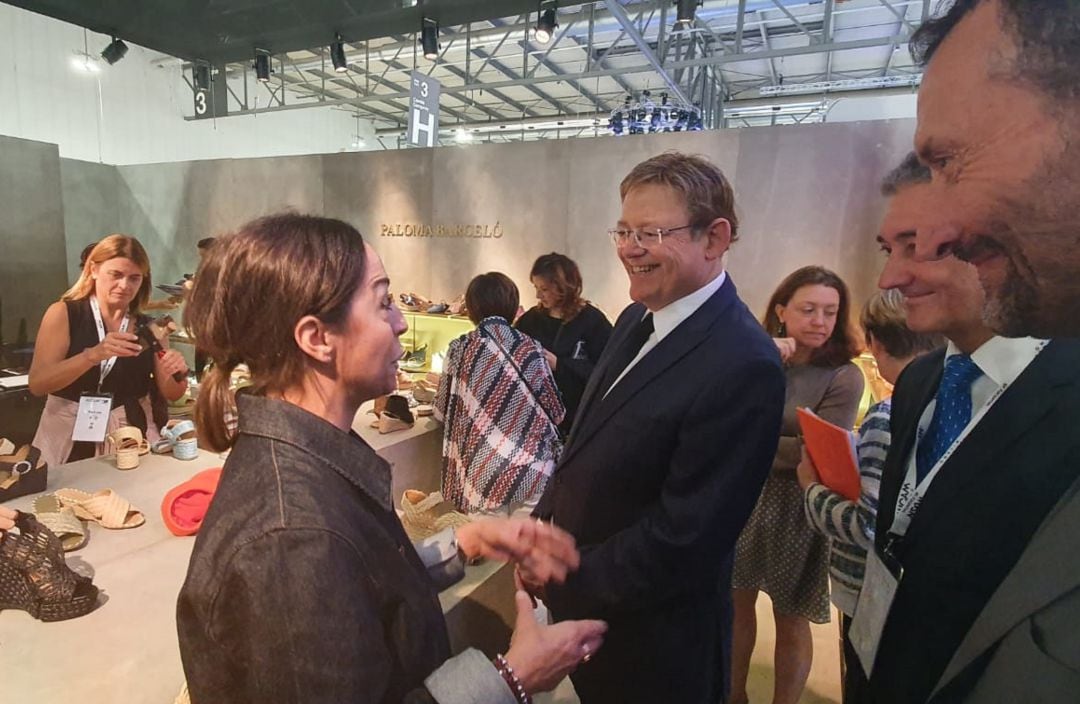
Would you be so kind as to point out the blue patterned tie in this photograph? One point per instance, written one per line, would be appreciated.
(951, 413)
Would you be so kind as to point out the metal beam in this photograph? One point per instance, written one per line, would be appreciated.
(794, 20)
(643, 46)
(721, 60)
(902, 16)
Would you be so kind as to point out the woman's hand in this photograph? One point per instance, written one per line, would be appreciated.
(541, 656)
(172, 362)
(806, 471)
(115, 344)
(7, 518)
(545, 552)
(786, 346)
(552, 360)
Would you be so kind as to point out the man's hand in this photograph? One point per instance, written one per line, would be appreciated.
(544, 551)
(552, 360)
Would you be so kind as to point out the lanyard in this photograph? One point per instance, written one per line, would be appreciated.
(108, 364)
(911, 493)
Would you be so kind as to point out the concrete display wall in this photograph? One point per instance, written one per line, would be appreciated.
(805, 195)
(32, 254)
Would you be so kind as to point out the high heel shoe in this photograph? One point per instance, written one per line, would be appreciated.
(35, 578)
(22, 472)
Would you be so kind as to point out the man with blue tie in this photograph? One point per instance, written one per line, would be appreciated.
(979, 456)
(999, 128)
(673, 439)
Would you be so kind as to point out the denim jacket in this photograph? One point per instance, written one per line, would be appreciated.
(303, 586)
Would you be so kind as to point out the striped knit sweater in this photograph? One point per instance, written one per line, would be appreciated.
(850, 524)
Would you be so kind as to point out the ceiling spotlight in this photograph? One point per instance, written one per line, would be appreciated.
(114, 52)
(429, 39)
(545, 26)
(684, 14)
(200, 76)
(337, 55)
(262, 65)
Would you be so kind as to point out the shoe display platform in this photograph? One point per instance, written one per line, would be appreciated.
(126, 650)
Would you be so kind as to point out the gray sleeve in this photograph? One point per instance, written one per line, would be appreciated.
(440, 556)
(469, 678)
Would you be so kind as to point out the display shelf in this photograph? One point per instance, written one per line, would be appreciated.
(434, 331)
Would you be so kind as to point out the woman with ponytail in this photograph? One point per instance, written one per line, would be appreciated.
(303, 586)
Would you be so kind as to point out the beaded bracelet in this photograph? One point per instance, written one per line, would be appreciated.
(512, 681)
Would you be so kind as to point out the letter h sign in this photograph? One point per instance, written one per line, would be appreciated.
(423, 110)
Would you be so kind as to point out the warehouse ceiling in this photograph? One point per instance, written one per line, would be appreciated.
(741, 61)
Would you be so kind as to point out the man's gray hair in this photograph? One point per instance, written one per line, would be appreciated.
(910, 172)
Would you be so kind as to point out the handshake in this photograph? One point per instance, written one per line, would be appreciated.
(540, 655)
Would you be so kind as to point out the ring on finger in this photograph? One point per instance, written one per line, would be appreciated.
(586, 653)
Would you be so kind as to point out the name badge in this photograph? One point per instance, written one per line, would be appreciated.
(92, 420)
(883, 575)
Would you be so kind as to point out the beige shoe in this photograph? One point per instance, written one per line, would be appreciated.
(425, 515)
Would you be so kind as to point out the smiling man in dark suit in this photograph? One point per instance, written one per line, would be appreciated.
(990, 556)
(671, 445)
(981, 452)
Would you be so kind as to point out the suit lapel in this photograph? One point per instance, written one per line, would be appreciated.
(627, 321)
(597, 410)
(1019, 595)
(1021, 406)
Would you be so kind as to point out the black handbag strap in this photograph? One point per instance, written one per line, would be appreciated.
(528, 387)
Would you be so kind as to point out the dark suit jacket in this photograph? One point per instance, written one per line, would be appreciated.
(975, 520)
(655, 484)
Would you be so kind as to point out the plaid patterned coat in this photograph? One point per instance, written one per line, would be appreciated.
(499, 446)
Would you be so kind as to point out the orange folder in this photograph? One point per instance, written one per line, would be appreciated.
(833, 451)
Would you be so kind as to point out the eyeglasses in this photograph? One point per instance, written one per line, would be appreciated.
(643, 237)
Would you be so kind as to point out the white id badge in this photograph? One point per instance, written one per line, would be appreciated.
(93, 419)
(875, 600)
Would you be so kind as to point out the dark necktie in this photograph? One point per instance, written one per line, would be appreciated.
(626, 352)
(952, 412)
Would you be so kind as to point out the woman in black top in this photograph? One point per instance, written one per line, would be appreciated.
(572, 331)
(86, 344)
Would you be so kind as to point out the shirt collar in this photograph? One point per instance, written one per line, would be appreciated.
(1003, 359)
(670, 316)
(347, 453)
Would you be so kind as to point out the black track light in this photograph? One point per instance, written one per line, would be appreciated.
(684, 16)
(115, 51)
(429, 39)
(545, 26)
(200, 76)
(337, 55)
(262, 65)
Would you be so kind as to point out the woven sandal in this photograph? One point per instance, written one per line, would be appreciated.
(61, 521)
(35, 578)
(127, 444)
(183, 438)
(105, 507)
(425, 514)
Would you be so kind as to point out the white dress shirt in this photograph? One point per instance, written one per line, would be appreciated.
(1001, 360)
(670, 317)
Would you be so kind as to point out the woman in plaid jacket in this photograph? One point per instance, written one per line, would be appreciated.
(500, 406)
